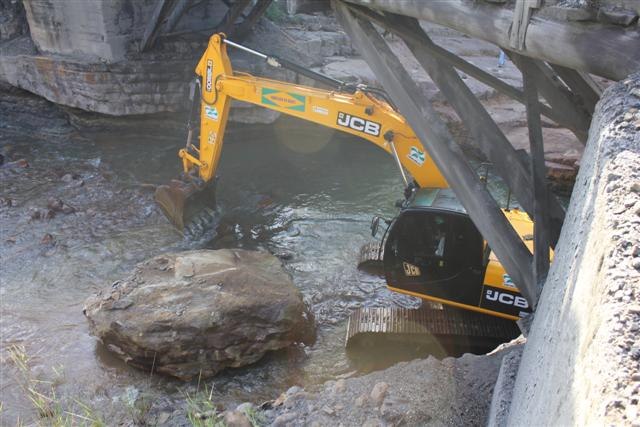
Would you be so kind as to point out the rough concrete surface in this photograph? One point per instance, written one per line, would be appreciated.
(581, 362)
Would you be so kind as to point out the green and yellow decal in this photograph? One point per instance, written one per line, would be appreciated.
(290, 101)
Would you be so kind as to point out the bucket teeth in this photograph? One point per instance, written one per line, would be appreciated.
(188, 206)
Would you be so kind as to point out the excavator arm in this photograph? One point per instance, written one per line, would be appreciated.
(355, 112)
(358, 113)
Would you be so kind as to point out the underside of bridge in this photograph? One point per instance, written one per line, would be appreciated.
(556, 48)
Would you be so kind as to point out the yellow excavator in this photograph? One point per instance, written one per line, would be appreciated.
(430, 250)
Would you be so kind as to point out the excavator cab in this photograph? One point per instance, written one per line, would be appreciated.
(434, 251)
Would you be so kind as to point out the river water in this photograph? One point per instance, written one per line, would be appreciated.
(300, 191)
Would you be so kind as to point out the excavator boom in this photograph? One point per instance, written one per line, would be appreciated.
(356, 112)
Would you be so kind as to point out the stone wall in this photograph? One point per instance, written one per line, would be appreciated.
(85, 54)
(581, 363)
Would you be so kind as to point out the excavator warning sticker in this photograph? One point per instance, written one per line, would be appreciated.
(212, 137)
(209, 75)
(416, 155)
(211, 113)
(290, 101)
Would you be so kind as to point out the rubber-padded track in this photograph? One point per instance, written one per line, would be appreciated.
(444, 323)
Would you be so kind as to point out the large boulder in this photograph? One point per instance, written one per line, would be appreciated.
(197, 312)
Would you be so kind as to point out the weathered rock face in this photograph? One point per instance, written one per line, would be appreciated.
(198, 312)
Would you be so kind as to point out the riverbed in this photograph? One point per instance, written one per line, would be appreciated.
(302, 192)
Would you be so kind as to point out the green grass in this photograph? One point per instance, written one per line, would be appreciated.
(50, 409)
(202, 411)
(255, 417)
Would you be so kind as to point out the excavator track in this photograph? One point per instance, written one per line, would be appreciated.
(370, 259)
(453, 331)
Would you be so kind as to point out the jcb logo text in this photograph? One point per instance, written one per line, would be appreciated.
(359, 124)
(508, 299)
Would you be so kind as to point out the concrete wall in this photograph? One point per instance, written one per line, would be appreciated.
(102, 29)
(581, 363)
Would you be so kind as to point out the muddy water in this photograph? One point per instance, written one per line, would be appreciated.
(299, 191)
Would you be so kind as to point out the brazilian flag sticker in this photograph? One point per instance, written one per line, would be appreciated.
(278, 98)
(417, 156)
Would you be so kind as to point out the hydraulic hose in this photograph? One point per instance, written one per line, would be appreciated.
(276, 62)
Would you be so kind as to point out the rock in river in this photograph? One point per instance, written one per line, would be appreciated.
(199, 312)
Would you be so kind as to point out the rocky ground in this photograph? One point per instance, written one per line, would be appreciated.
(452, 391)
(420, 392)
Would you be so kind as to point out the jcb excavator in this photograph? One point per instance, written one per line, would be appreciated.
(430, 250)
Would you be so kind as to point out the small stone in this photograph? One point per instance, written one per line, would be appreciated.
(327, 410)
(66, 209)
(372, 422)
(244, 407)
(163, 417)
(47, 239)
(293, 390)
(284, 419)
(67, 178)
(122, 304)
(340, 386)
(635, 377)
(55, 204)
(379, 392)
(22, 163)
(236, 419)
(362, 400)
(291, 401)
(5, 201)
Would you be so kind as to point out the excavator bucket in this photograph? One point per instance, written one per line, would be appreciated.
(188, 206)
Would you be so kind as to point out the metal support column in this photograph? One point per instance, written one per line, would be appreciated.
(541, 218)
(435, 136)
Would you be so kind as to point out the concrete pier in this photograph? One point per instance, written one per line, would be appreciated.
(580, 365)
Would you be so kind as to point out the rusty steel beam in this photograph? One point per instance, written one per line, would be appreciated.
(448, 156)
(541, 193)
(490, 138)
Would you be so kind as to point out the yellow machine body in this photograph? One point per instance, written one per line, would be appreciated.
(358, 113)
